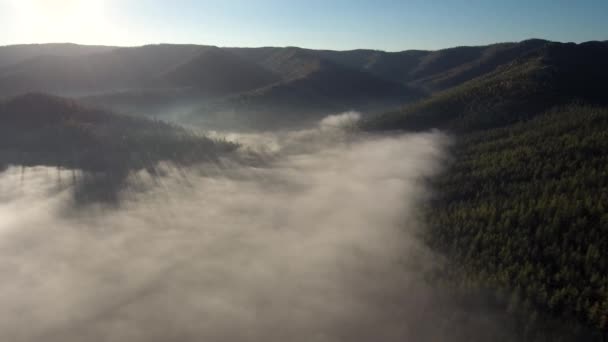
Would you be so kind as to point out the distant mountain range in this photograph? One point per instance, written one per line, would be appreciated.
(461, 89)
(269, 88)
(519, 213)
(219, 87)
(553, 74)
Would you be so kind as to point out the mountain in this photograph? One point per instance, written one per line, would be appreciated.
(166, 103)
(311, 87)
(218, 71)
(13, 54)
(519, 213)
(44, 130)
(290, 62)
(553, 75)
(219, 87)
(210, 74)
(135, 67)
(447, 68)
(391, 66)
(394, 66)
(429, 70)
(118, 68)
(222, 86)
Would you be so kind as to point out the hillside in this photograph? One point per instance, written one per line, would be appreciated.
(556, 74)
(290, 62)
(428, 70)
(13, 54)
(43, 130)
(213, 86)
(100, 68)
(451, 67)
(520, 212)
(118, 68)
(160, 80)
(395, 66)
(166, 103)
(311, 88)
(217, 71)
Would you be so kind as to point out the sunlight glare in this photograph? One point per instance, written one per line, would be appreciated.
(78, 21)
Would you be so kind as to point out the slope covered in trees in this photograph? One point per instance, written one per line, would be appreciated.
(108, 70)
(39, 129)
(311, 88)
(12, 54)
(520, 212)
(429, 70)
(217, 71)
(43, 130)
(210, 82)
(41, 67)
(556, 74)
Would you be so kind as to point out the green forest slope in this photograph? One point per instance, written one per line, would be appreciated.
(521, 211)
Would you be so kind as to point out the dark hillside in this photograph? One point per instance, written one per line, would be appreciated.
(218, 71)
(429, 70)
(42, 130)
(119, 68)
(14, 54)
(522, 211)
(443, 73)
(314, 89)
(290, 62)
(556, 74)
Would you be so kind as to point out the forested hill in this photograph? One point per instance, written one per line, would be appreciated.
(215, 87)
(44, 130)
(311, 88)
(428, 70)
(39, 129)
(557, 74)
(521, 212)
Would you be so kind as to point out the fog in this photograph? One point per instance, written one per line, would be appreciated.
(318, 240)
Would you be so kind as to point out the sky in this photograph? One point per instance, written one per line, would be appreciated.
(391, 25)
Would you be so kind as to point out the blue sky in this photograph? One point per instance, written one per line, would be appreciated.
(332, 24)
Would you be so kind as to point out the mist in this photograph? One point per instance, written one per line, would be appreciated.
(318, 240)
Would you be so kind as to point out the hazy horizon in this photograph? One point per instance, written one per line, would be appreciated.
(300, 47)
(385, 25)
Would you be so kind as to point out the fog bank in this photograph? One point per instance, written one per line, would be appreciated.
(316, 243)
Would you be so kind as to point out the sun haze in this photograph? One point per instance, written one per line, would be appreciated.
(59, 20)
(338, 24)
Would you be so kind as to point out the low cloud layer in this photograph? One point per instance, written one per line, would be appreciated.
(318, 243)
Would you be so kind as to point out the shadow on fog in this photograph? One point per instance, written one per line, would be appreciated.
(318, 240)
(44, 130)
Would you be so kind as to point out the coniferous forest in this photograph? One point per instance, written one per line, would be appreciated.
(520, 211)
